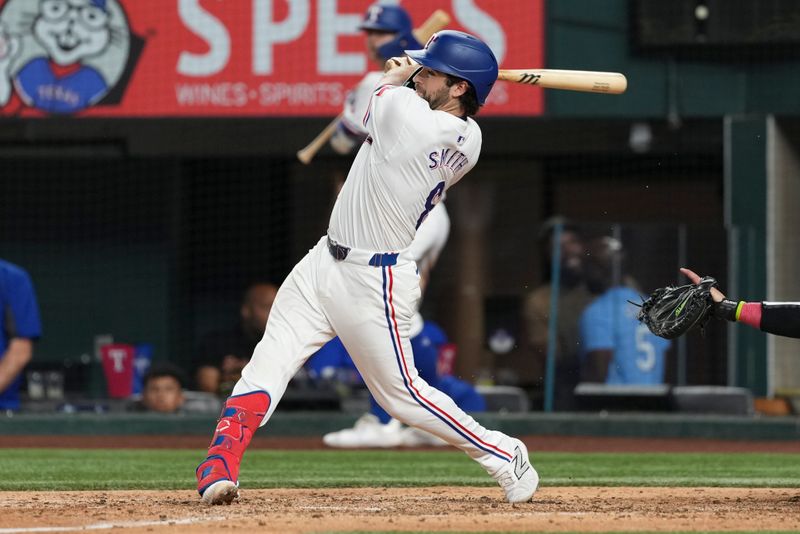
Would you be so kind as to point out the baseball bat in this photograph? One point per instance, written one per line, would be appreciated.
(438, 20)
(306, 154)
(613, 83)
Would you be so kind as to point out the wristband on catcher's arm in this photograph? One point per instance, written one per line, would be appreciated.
(750, 313)
(728, 309)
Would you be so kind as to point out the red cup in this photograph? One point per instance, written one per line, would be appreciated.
(118, 368)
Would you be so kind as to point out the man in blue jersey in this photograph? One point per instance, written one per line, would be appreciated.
(615, 347)
(20, 328)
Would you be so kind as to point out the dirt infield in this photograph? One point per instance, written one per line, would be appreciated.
(435, 509)
(400, 509)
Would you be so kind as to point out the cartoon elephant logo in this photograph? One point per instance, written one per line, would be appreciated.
(61, 56)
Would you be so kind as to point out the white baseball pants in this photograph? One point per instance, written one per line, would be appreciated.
(370, 308)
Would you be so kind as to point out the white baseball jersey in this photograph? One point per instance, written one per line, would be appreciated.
(411, 156)
(368, 293)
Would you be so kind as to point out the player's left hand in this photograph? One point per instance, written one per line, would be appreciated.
(399, 71)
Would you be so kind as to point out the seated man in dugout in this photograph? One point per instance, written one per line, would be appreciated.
(224, 353)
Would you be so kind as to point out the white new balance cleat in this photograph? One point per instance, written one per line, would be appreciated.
(518, 479)
(221, 492)
(367, 432)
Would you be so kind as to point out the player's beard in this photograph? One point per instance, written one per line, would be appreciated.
(437, 99)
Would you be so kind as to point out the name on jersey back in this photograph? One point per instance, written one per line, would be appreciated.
(447, 157)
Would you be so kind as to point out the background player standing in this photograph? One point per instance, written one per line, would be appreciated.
(388, 33)
(359, 281)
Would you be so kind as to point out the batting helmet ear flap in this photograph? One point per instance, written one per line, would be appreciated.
(462, 55)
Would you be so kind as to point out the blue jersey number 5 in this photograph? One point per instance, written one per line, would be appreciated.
(433, 198)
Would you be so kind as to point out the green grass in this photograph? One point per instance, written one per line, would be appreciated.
(57, 469)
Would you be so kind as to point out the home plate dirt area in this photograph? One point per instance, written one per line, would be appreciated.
(586, 509)
(431, 509)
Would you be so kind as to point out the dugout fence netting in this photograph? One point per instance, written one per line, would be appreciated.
(160, 250)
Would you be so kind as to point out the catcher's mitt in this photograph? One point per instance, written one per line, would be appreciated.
(670, 312)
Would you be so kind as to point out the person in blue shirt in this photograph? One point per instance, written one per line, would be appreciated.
(615, 347)
(20, 328)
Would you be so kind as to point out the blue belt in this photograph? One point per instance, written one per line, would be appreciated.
(383, 260)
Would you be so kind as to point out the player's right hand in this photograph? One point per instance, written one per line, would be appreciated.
(397, 62)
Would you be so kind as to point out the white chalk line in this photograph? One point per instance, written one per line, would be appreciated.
(106, 526)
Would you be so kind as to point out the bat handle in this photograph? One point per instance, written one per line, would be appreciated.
(410, 81)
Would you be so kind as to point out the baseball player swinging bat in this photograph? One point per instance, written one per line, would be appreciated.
(438, 20)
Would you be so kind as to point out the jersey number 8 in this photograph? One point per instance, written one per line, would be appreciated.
(433, 198)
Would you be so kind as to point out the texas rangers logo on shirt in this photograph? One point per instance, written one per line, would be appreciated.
(62, 56)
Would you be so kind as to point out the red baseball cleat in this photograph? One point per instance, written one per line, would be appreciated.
(218, 474)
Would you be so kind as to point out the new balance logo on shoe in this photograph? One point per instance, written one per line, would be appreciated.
(521, 464)
(518, 478)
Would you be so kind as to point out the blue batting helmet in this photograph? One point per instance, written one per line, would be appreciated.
(461, 55)
(393, 19)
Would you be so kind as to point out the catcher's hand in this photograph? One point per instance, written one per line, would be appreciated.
(670, 312)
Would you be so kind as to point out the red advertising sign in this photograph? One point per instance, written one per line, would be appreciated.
(167, 58)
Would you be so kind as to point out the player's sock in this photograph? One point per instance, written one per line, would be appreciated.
(240, 418)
